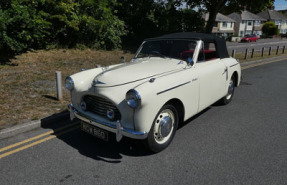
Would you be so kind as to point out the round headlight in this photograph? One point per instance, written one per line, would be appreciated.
(69, 83)
(133, 99)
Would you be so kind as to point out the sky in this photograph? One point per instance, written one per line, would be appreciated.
(280, 4)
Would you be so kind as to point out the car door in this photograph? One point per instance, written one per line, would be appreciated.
(212, 80)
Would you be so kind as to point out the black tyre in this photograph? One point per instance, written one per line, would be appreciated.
(163, 129)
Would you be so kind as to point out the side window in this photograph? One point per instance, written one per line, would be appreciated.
(208, 52)
(188, 49)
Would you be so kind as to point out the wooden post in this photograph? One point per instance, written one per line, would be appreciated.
(252, 53)
(233, 53)
(262, 52)
(277, 50)
(270, 48)
(59, 85)
(246, 53)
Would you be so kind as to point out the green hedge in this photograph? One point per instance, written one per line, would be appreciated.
(39, 24)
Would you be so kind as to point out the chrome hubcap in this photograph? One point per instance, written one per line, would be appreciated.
(164, 125)
(230, 89)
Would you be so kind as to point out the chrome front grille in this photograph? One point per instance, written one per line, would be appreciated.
(100, 106)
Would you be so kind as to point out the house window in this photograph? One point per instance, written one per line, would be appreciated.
(257, 23)
(248, 32)
(242, 22)
(249, 23)
(224, 24)
(241, 33)
(215, 24)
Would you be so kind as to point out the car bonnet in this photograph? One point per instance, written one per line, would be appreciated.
(142, 69)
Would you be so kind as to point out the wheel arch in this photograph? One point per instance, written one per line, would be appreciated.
(179, 107)
(235, 74)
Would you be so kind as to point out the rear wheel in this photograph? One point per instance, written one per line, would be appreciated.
(163, 129)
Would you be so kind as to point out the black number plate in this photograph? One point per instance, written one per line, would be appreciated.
(95, 131)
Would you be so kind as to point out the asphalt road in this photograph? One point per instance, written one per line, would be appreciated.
(266, 43)
(244, 142)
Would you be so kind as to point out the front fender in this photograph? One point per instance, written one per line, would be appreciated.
(83, 83)
(156, 93)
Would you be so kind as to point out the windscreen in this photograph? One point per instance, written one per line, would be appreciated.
(178, 49)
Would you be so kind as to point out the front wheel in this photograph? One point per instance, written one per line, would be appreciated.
(163, 129)
(227, 99)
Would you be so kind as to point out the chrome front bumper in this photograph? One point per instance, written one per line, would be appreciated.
(115, 128)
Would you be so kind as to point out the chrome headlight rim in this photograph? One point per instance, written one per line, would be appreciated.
(69, 83)
(133, 99)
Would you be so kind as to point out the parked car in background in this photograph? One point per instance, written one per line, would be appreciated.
(249, 38)
(170, 79)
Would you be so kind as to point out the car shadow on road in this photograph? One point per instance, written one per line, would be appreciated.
(193, 117)
(108, 151)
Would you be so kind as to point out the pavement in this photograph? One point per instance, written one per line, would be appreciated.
(25, 127)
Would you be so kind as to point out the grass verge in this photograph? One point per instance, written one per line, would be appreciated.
(28, 86)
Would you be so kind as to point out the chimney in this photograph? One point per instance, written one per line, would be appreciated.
(271, 7)
(245, 7)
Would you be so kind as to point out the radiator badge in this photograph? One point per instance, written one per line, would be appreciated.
(111, 114)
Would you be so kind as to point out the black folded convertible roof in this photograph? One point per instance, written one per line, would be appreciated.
(220, 43)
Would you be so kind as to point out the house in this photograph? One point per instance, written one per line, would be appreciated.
(278, 18)
(247, 23)
(223, 27)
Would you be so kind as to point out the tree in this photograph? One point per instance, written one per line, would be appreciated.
(151, 18)
(269, 29)
(38, 24)
(140, 18)
(22, 26)
(215, 6)
(192, 21)
(99, 26)
(212, 7)
(252, 6)
(175, 18)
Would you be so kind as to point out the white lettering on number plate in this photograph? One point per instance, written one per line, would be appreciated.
(94, 131)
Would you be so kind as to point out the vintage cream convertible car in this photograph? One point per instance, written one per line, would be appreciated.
(170, 79)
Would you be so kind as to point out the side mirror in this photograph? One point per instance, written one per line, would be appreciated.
(123, 59)
(190, 61)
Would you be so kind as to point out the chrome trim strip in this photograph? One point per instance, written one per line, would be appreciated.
(115, 128)
(234, 65)
(172, 88)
